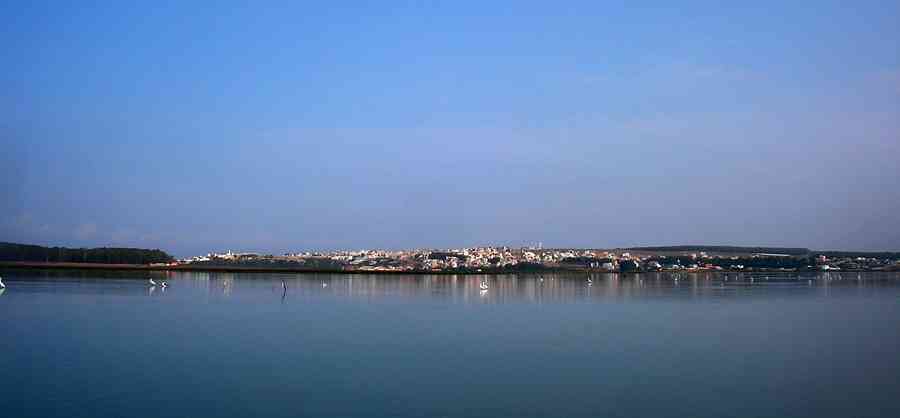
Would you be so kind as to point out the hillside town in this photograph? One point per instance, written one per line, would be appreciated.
(506, 259)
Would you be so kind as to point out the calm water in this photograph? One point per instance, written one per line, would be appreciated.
(235, 345)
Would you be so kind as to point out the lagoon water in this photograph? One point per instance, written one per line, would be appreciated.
(97, 344)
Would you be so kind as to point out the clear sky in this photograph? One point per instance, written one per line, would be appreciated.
(197, 126)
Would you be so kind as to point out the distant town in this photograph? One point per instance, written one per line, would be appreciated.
(464, 260)
(536, 258)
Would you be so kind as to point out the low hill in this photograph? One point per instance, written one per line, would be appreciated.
(724, 249)
(36, 253)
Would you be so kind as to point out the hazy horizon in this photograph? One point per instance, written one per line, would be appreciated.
(282, 127)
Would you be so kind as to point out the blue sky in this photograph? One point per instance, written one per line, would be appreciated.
(196, 126)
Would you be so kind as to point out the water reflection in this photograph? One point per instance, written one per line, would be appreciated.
(618, 344)
(548, 288)
(542, 288)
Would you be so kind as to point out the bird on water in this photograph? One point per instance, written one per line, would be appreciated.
(2, 286)
(153, 283)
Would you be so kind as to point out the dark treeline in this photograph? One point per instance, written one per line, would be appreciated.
(799, 263)
(579, 260)
(37, 253)
(726, 249)
(443, 255)
(319, 263)
(864, 254)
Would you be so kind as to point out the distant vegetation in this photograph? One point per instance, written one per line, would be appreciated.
(802, 252)
(864, 254)
(726, 249)
(313, 263)
(443, 255)
(797, 263)
(37, 253)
